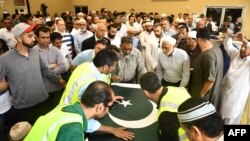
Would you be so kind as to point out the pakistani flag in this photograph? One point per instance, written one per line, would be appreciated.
(135, 112)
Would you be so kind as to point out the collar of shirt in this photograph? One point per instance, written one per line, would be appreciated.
(96, 71)
(173, 53)
(128, 56)
(248, 58)
(18, 52)
(96, 39)
(92, 54)
(76, 108)
(39, 49)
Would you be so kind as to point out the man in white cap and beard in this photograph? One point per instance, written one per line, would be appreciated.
(81, 34)
(173, 64)
(235, 86)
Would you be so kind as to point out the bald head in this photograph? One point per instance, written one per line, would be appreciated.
(101, 30)
(201, 24)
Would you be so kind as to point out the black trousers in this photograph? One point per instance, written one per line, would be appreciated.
(55, 97)
(31, 114)
(165, 83)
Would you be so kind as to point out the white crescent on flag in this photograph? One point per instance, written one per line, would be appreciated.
(142, 123)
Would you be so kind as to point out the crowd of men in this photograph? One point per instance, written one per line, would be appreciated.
(72, 59)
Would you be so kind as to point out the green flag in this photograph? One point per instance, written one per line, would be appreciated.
(135, 112)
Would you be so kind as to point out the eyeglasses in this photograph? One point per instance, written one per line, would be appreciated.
(110, 107)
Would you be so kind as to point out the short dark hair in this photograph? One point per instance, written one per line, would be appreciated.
(50, 23)
(101, 41)
(105, 40)
(112, 25)
(203, 33)
(126, 40)
(54, 36)
(183, 25)
(150, 82)
(105, 57)
(211, 125)
(97, 92)
(44, 29)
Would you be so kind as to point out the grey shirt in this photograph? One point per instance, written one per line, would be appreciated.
(52, 55)
(174, 68)
(24, 75)
(129, 65)
(208, 67)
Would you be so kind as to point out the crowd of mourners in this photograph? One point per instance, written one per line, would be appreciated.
(49, 60)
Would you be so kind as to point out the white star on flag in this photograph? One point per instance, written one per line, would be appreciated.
(125, 103)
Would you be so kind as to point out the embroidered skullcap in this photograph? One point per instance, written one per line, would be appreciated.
(193, 109)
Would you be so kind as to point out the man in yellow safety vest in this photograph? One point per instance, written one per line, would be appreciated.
(168, 100)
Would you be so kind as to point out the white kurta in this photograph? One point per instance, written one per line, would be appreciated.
(150, 54)
(235, 87)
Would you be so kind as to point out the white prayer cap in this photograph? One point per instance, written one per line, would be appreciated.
(168, 39)
(163, 15)
(81, 21)
(192, 34)
(197, 20)
(131, 30)
(19, 130)
(148, 23)
(194, 109)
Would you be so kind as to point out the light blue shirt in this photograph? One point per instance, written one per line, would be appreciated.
(93, 124)
(135, 42)
(79, 37)
(85, 56)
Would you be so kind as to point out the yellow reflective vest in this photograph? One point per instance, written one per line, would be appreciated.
(47, 127)
(171, 101)
(79, 80)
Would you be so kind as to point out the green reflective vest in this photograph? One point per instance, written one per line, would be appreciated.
(171, 101)
(47, 127)
(82, 76)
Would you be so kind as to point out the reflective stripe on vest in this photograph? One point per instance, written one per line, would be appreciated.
(81, 83)
(169, 104)
(174, 97)
(171, 101)
(47, 127)
(82, 76)
(60, 123)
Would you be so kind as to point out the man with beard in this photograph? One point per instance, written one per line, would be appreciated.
(23, 69)
(208, 69)
(81, 35)
(69, 122)
(151, 50)
(130, 65)
(147, 34)
(173, 64)
(112, 30)
(235, 85)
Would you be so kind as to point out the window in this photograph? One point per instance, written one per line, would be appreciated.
(219, 13)
(83, 9)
